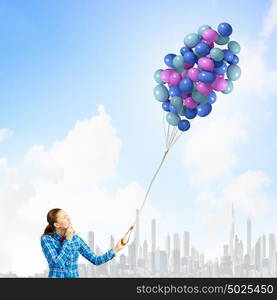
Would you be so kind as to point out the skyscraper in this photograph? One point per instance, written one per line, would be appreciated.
(263, 246)
(137, 237)
(91, 240)
(153, 246)
(186, 243)
(167, 245)
(271, 245)
(258, 254)
(232, 234)
(176, 254)
(111, 242)
(249, 233)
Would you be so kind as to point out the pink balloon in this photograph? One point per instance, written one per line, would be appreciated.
(219, 84)
(193, 74)
(184, 96)
(190, 103)
(184, 73)
(165, 75)
(210, 44)
(210, 35)
(188, 66)
(206, 64)
(204, 88)
(220, 75)
(175, 78)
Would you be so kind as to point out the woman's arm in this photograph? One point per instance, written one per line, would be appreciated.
(51, 254)
(86, 252)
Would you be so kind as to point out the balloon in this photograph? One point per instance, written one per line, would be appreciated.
(165, 75)
(222, 40)
(202, 49)
(218, 64)
(184, 49)
(200, 98)
(157, 76)
(190, 113)
(174, 91)
(210, 44)
(175, 78)
(234, 47)
(219, 84)
(193, 74)
(189, 57)
(177, 102)
(210, 35)
(186, 85)
(165, 105)
(182, 111)
(190, 103)
(172, 119)
(212, 98)
(161, 92)
(233, 72)
(206, 64)
(204, 109)
(229, 88)
(188, 66)
(235, 60)
(191, 39)
(225, 29)
(221, 70)
(204, 88)
(228, 55)
(184, 125)
(178, 61)
(217, 54)
(202, 28)
(184, 73)
(206, 77)
(173, 109)
(168, 59)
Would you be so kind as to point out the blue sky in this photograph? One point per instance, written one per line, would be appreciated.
(62, 59)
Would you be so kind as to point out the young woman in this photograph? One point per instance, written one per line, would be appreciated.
(62, 247)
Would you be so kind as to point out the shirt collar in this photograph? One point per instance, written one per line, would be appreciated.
(57, 236)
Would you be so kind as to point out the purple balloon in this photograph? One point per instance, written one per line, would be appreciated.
(185, 95)
(219, 84)
(204, 88)
(210, 35)
(190, 103)
(184, 73)
(210, 44)
(165, 75)
(193, 74)
(205, 63)
(174, 78)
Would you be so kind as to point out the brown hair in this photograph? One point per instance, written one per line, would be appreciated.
(51, 219)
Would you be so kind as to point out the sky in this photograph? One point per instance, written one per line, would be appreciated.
(81, 130)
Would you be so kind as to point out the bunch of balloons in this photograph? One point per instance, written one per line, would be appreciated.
(194, 76)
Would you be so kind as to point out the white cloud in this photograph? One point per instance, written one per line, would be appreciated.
(5, 133)
(270, 21)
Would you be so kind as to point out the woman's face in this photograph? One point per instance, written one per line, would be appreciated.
(63, 221)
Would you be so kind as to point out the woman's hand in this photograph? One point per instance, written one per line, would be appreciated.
(120, 245)
(69, 233)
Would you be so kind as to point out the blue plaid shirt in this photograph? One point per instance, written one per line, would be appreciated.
(63, 256)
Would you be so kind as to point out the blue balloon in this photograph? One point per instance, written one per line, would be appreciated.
(212, 98)
(174, 91)
(207, 77)
(225, 29)
(204, 109)
(218, 64)
(235, 60)
(189, 57)
(173, 109)
(221, 70)
(202, 49)
(168, 59)
(190, 113)
(186, 85)
(228, 55)
(185, 49)
(184, 125)
(165, 105)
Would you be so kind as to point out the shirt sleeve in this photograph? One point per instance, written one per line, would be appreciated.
(51, 254)
(86, 252)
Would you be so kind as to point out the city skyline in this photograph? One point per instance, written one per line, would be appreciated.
(179, 257)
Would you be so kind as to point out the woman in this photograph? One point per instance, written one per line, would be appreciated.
(62, 247)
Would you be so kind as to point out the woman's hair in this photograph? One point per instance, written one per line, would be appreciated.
(51, 219)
